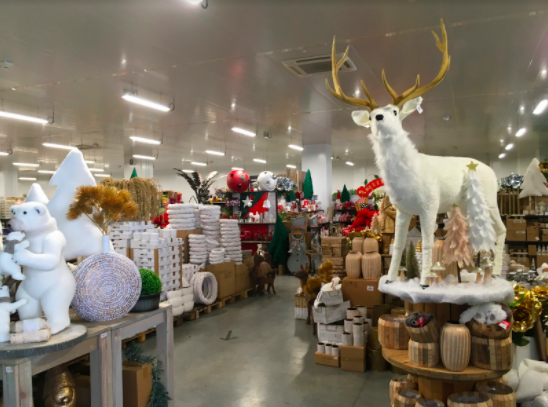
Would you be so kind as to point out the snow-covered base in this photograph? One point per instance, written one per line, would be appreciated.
(465, 293)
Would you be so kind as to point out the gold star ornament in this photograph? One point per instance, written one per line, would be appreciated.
(472, 166)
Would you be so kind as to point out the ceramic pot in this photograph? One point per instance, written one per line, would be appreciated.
(354, 264)
(455, 345)
(371, 266)
(370, 245)
(357, 244)
(147, 303)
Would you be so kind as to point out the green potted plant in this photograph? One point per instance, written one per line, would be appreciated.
(151, 288)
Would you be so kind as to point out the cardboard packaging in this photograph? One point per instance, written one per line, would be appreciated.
(533, 233)
(330, 313)
(532, 249)
(352, 358)
(516, 235)
(184, 235)
(523, 261)
(137, 383)
(325, 359)
(225, 274)
(331, 333)
(516, 224)
(334, 297)
(243, 278)
(362, 292)
(541, 259)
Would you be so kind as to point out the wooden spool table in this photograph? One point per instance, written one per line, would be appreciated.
(437, 382)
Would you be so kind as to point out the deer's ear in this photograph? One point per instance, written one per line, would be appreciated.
(361, 117)
(409, 107)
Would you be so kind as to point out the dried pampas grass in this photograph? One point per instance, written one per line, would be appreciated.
(145, 192)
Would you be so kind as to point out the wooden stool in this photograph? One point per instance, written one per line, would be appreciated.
(500, 394)
(396, 385)
(469, 399)
(406, 398)
(392, 332)
(429, 403)
(424, 354)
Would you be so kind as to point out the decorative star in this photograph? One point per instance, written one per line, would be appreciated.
(248, 202)
(268, 182)
(472, 166)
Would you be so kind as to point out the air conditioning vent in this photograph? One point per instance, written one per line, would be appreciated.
(318, 65)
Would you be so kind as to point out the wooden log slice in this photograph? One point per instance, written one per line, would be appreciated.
(429, 403)
(469, 399)
(406, 398)
(392, 332)
(396, 385)
(493, 354)
(424, 354)
(500, 394)
(426, 334)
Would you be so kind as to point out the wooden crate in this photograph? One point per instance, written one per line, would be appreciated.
(337, 261)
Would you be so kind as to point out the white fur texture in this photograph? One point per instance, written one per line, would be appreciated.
(7, 308)
(423, 185)
(49, 285)
(488, 313)
(8, 266)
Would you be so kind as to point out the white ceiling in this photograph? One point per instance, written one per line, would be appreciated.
(77, 57)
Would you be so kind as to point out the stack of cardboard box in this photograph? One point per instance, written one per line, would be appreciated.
(122, 234)
(335, 250)
(329, 315)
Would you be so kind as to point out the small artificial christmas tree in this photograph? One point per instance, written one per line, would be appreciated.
(133, 173)
(291, 196)
(455, 246)
(376, 224)
(279, 247)
(308, 188)
(533, 181)
(403, 260)
(412, 264)
(345, 195)
(481, 233)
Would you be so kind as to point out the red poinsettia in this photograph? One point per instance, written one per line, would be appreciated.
(364, 218)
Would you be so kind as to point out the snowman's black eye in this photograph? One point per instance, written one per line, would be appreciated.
(395, 113)
(24, 213)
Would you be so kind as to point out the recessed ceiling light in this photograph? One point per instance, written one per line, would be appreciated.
(145, 140)
(26, 165)
(46, 172)
(259, 160)
(12, 88)
(15, 116)
(96, 169)
(522, 109)
(446, 118)
(61, 146)
(350, 163)
(215, 152)
(244, 132)
(295, 147)
(194, 1)
(237, 168)
(198, 163)
(102, 175)
(509, 146)
(502, 155)
(521, 132)
(124, 61)
(289, 129)
(543, 72)
(290, 166)
(346, 151)
(27, 179)
(540, 107)
(331, 157)
(144, 157)
(144, 102)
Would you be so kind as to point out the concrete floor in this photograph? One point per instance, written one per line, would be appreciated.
(270, 363)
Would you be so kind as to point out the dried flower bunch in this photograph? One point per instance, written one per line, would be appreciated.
(144, 192)
(103, 205)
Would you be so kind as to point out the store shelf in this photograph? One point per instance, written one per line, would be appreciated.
(520, 242)
(257, 223)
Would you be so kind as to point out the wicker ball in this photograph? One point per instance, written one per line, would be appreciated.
(108, 286)
(370, 245)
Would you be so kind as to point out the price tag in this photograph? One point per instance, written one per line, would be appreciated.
(103, 335)
(504, 324)
(9, 369)
(370, 288)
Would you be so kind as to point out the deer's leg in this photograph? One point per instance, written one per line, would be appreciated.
(428, 227)
(402, 224)
(500, 231)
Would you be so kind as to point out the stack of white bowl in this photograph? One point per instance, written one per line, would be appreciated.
(209, 222)
(181, 216)
(231, 240)
(197, 249)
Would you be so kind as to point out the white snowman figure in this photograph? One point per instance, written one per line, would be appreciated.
(266, 181)
(14, 242)
(6, 308)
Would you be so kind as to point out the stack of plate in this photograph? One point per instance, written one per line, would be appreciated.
(209, 222)
(197, 249)
(230, 240)
(181, 216)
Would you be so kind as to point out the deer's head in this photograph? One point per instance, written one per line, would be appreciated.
(388, 119)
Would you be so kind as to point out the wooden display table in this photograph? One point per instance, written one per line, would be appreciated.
(103, 341)
(438, 382)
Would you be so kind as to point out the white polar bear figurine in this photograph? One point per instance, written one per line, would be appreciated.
(7, 308)
(49, 285)
(14, 241)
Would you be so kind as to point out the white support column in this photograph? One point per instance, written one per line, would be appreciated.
(9, 181)
(317, 159)
(145, 168)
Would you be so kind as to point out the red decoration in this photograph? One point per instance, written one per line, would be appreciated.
(364, 218)
(258, 205)
(365, 191)
(237, 181)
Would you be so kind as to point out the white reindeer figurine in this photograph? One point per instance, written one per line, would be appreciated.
(417, 184)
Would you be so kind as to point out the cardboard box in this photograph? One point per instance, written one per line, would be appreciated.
(334, 297)
(83, 390)
(225, 274)
(533, 233)
(532, 249)
(337, 241)
(516, 224)
(362, 292)
(522, 260)
(337, 261)
(327, 360)
(137, 383)
(352, 358)
(544, 237)
(516, 235)
(541, 259)
(183, 234)
(243, 278)
(331, 313)
(331, 333)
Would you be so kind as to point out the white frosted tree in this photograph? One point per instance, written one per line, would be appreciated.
(534, 183)
(481, 234)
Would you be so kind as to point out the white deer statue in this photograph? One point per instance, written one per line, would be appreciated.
(417, 184)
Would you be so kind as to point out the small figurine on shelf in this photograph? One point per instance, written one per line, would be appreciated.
(7, 308)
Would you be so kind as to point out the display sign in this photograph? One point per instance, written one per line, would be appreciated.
(365, 191)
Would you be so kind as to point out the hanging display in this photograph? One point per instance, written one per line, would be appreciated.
(237, 181)
(266, 181)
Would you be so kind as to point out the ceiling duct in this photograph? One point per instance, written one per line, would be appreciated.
(318, 65)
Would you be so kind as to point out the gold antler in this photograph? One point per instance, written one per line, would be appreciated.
(338, 93)
(415, 91)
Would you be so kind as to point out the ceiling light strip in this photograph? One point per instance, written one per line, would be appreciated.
(145, 140)
(144, 102)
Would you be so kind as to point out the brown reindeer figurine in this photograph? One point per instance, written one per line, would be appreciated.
(263, 274)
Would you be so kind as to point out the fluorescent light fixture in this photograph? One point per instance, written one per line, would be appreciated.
(259, 160)
(96, 169)
(194, 1)
(61, 146)
(145, 140)
(26, 165)
(89, 161)
(215, 152)
(3, 153)
(237, 168)
(27, 179)
(143, 102)
(22, 117)
(541, 107)
(290, 166)
(295, 147)
(521, 132)
(198, 163)
(509, 146)
(350, 163)
(144, 157)
(46, 172)
(188, 171)
(502, 155)
(244, 132)
(102, 175)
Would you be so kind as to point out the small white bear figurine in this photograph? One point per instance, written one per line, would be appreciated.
(7, 308)
(14, 241)
(487, 313)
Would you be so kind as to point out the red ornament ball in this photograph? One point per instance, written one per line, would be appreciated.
(238, 181)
